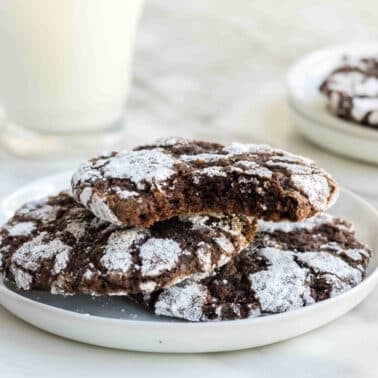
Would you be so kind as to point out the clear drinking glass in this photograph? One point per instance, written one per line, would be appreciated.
(65, 69)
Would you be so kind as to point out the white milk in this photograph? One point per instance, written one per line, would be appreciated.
(65, 64)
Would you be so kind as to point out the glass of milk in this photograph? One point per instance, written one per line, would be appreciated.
(65, 70)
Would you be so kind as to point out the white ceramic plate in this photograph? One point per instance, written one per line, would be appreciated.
(117, 323)
(308, 106)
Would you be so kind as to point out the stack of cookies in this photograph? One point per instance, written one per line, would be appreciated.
(189, 229)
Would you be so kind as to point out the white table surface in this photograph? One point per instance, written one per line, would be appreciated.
(216, 69)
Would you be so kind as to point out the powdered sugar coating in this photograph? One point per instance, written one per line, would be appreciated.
(21, 229)
(203, 157)
(78, 253)
(336, 284)
(354, 83)
(176, 176)
(225, 244)
(123, 194)
(322, 262)
(117, 252)
(308, 224)
(293, 168)
(101, 209)
(211, 172)
(138, 166)
(251, 168)
(39, 210)
(285, 268)
(31, 255)
(62, 257)
(204, 257)
(236, 148)
(352, 253)
(315, 187)
(148, 287)
(171, 141)
(283, 286)
(159, 255)
(22, 279)
(365, 107)
(85, 196)
(352, 90)
(355, 254)
(182, 302)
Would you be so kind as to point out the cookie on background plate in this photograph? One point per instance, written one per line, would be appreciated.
(287, 266)
(352, 90)
(178, 176)
(56, 244)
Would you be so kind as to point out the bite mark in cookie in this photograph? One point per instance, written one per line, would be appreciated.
(57, 245)
(181, 176)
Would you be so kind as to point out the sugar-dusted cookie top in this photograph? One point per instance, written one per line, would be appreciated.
(179, 176)
(352, 90)
(57, 245)
(286, 267)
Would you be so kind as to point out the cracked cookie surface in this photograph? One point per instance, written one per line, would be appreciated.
(56, 244)
(287, 266)
(352, 91)
(179, 176)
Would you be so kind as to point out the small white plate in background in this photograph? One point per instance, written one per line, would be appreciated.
(308, 106)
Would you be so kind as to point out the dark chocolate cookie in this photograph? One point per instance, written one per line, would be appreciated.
(286, 267)
(180, 176)
(352, 91)
(57, 245)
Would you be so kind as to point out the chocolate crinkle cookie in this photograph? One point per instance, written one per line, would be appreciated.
(56, 244)
(352, 90)
(287, 266)
(179, 176)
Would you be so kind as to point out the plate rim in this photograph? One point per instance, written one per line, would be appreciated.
(370, 281)
(187, 324)
(339, 128)
(301, 123)
(332, 121)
